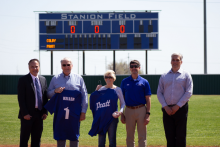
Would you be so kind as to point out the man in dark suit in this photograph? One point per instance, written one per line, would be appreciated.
(32, 96)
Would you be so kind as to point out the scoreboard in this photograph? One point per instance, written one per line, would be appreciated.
(98, 31)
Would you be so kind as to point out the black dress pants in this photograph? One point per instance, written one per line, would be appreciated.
(175, 127)
(33, 127)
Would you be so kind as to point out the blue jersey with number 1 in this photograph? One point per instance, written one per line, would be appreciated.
(66, 107)
(103, 104)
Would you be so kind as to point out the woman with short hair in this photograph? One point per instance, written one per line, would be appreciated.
(103, 103)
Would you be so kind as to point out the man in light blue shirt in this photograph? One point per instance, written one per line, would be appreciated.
(69, 81)
(174, 90)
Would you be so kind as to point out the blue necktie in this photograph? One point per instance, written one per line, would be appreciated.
(38, 94)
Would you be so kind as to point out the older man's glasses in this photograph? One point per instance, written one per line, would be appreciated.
(177, 60)
(64, 65)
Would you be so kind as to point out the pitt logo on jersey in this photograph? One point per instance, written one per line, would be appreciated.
(68, 98)
(106, 104)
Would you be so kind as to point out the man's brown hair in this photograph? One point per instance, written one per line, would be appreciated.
(135, 62)
(34, 60)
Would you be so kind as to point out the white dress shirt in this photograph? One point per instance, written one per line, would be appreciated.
(175, 88)
(36, 100)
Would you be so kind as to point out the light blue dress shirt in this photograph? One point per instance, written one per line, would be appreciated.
(71, 82)
(175, 88)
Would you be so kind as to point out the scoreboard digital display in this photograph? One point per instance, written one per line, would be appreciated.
(98, 31)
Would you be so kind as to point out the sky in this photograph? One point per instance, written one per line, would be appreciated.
(180, 30)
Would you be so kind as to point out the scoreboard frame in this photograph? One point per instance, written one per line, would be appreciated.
(54, 35)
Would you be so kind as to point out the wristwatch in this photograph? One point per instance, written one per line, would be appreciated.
(148, 113)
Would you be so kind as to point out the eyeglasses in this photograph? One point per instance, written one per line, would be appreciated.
(134, 66)
(177, 60)
(106, 77)
(64, 65)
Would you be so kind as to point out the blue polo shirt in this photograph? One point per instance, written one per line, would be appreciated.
(135, 91)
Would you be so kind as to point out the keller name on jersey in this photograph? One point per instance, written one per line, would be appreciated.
(99, 105)
(68, 98)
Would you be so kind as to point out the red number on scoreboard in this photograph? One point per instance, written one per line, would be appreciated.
(96, 29)
(72, 29)
(122, 28)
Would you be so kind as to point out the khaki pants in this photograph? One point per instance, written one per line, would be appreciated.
(133, 116)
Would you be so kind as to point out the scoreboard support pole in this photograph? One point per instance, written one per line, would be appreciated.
(114, 61)
(146, 62)
(51, 54)
(205, 42)
(83, 62)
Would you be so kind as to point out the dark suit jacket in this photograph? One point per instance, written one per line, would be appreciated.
(26, 95)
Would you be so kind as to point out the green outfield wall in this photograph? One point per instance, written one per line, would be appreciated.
(203, 84)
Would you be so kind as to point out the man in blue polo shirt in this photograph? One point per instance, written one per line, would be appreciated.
(136, 91)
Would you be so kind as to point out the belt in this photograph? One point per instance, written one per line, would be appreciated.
(36, 109)
(171, 105)
(135, 107)
(175, 104)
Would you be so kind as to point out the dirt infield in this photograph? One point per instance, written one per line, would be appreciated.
(54, 145)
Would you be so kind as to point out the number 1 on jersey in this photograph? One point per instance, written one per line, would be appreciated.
(67, 113)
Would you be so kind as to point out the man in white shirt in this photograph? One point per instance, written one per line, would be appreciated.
(174, 90)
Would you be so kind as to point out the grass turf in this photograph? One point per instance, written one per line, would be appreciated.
(203, 128)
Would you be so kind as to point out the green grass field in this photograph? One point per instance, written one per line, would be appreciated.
(203, 123)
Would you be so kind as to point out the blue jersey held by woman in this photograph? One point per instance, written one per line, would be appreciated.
(103, 104)
(66, 107)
